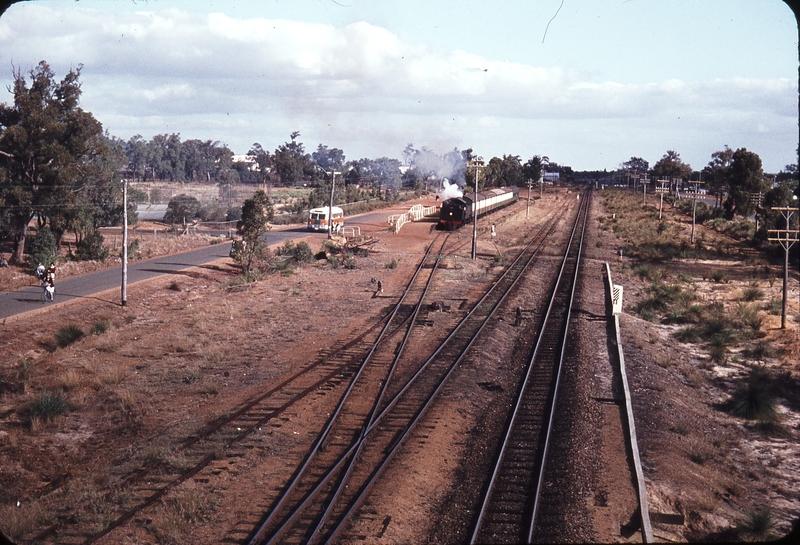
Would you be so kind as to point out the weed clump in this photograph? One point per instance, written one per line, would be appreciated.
(754, 399)
(758, 523)
(68, 334)
(47, 406)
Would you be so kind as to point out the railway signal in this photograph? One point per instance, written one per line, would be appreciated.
(786, 237)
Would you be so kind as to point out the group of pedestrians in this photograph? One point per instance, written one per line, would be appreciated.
(47, 279)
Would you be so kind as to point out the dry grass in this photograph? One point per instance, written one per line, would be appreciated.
(111, 376)
(71, 379)
(186, 506)
(16, 521)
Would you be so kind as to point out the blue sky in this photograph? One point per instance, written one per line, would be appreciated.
(605, 81)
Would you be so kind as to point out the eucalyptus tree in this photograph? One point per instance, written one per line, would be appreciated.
(252, 249)
(672, 166)
(745, 177)
(47, 145)
(291, 160)
(716, 173)
(329, 158)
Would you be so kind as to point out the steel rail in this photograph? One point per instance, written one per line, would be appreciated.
(515, 414)
(215, 427)
(410, 427)
(573, 281)
(242, 431)
(301, 472)
(349, 454)
(372, 415)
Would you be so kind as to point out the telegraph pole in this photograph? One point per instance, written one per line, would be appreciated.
(124, 242)
(694, 195)
(757, 199)
(530, 184)
(786, 237)
(477, 164)
(661, 188)
(330, 206)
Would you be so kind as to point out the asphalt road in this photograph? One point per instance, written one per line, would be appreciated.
(93, 284)
(90, 285)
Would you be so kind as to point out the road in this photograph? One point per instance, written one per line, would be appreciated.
(89, 285)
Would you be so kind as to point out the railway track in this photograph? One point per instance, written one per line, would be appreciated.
(338, 474)
(514, 508)
(147, 485)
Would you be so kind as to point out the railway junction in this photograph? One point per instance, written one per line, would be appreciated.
(311, 407)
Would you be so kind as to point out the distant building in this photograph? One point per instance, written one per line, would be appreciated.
(550, 177)
(247, 159)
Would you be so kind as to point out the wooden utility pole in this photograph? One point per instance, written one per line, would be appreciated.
(124, 242)
(330, 206)
(694, 195)
(661, 188)
(528, 207)
(757, 199)
(477, 164)
(786, 237)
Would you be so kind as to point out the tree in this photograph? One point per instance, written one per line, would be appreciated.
(290, 160)
(46, 143)
(257, 212)
(635, 164)
(263, 160)
(715, 174)
(182, 208)
(328, 159)
(671, 166)
(532, 169)
(745, 177)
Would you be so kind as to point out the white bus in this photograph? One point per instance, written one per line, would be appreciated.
(318, 219)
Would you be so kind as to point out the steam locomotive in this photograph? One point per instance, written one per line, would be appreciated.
(457, 211)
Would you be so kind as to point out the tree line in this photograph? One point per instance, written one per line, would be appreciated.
(60, 171)
(735, 178)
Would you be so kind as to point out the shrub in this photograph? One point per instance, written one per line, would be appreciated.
(68, 334)
(391, 265)
(48, 406)
(212, 212)
(754, 400)
(42, 249)
(350, 264)
(749, 316)
(90, 248)
(758, 523)
(719, 276)
(182, 208)
(297, 253)
(688, 334)
(133, 247)
(775, 307)
(752, 293)
(15, 521)
(234, 213)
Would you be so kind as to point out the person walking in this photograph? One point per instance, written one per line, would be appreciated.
(52, 270)
(40, 272)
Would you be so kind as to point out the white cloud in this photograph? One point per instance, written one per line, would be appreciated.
(188, 72)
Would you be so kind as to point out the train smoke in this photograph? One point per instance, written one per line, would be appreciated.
(449, 191)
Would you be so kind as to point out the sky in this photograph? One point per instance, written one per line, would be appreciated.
(587, 83)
